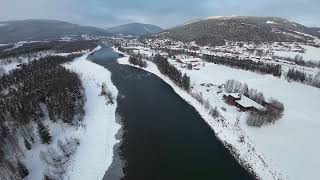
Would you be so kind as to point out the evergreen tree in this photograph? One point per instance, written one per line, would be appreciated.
(27, 144)
(23, 171)
(43, 132)
(186, 82)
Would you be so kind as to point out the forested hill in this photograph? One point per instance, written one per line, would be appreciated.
(27, 30)
(135, 29)
(215, 30)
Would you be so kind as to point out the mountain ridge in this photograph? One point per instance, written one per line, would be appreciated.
(217, 30)
(135, 29)
(43, 29)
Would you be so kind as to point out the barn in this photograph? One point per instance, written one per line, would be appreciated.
(231, 98)
(243, 103)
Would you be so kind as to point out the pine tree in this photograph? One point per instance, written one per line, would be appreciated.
(43, 132)
(23, 171)
(186, 82)
(27, 144)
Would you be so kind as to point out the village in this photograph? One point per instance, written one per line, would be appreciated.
(187, 58)
(254, 116)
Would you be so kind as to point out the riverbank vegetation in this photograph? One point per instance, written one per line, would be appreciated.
(40, 90)
(172, 72)
(261, 67)
(136, 59)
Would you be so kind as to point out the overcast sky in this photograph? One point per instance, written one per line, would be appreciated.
(165, 13)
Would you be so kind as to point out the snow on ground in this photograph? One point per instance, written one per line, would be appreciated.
(286, 146)
(312, 53)
(35, 164)
(228, 133)
(271, 22)
(95, 152)
(293, 140)
(27, 59)
(97, 135)
(9, 67)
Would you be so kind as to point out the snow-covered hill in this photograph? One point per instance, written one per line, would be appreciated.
(135, 29)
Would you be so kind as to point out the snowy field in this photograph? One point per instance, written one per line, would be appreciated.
(287, 145)
(95, 152)
(294, 140)
(311, 54)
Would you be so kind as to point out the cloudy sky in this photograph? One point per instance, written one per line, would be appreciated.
(165, 13)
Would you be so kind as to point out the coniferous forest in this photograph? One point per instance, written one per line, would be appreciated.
(35, 91)
(172, 72)
(245, 64)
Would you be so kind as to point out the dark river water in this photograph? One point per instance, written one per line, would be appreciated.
(163, 136)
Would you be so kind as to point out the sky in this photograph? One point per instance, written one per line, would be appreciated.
(164, 13)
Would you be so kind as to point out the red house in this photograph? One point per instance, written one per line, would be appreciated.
(179, 61)
(243, 103)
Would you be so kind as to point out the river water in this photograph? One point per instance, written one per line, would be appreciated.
(163, 137)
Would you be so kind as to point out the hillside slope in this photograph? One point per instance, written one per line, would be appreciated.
(215, 30)
(27, 30)
(135, 29)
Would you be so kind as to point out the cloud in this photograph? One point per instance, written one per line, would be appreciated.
(165, 13)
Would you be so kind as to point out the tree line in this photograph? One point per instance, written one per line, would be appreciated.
(172, 72)
(296, 75)
(301, 76)
(55, 46)
(136, 59)
(298, 59)
(250, 65)
(233, 86)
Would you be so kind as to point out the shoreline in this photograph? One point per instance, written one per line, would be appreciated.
(99, 137)
(228, 134)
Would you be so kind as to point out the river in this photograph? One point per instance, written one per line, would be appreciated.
(163, 137)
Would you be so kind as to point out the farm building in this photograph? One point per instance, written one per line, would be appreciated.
(243, 103)
(179, 61)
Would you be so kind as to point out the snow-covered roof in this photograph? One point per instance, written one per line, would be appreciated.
(235, 95)
(247, 102)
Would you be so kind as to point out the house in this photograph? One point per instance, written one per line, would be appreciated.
(243, 103)
(179, 61)
(231, 98)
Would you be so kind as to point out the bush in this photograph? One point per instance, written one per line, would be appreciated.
(274, 112)
(316, 80)
(255, 119)
(214, 112)
(107, 94)
(57, 158)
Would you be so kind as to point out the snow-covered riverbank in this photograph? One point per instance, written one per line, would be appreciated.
(95, 153)
(229, 133)
(96, 136)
